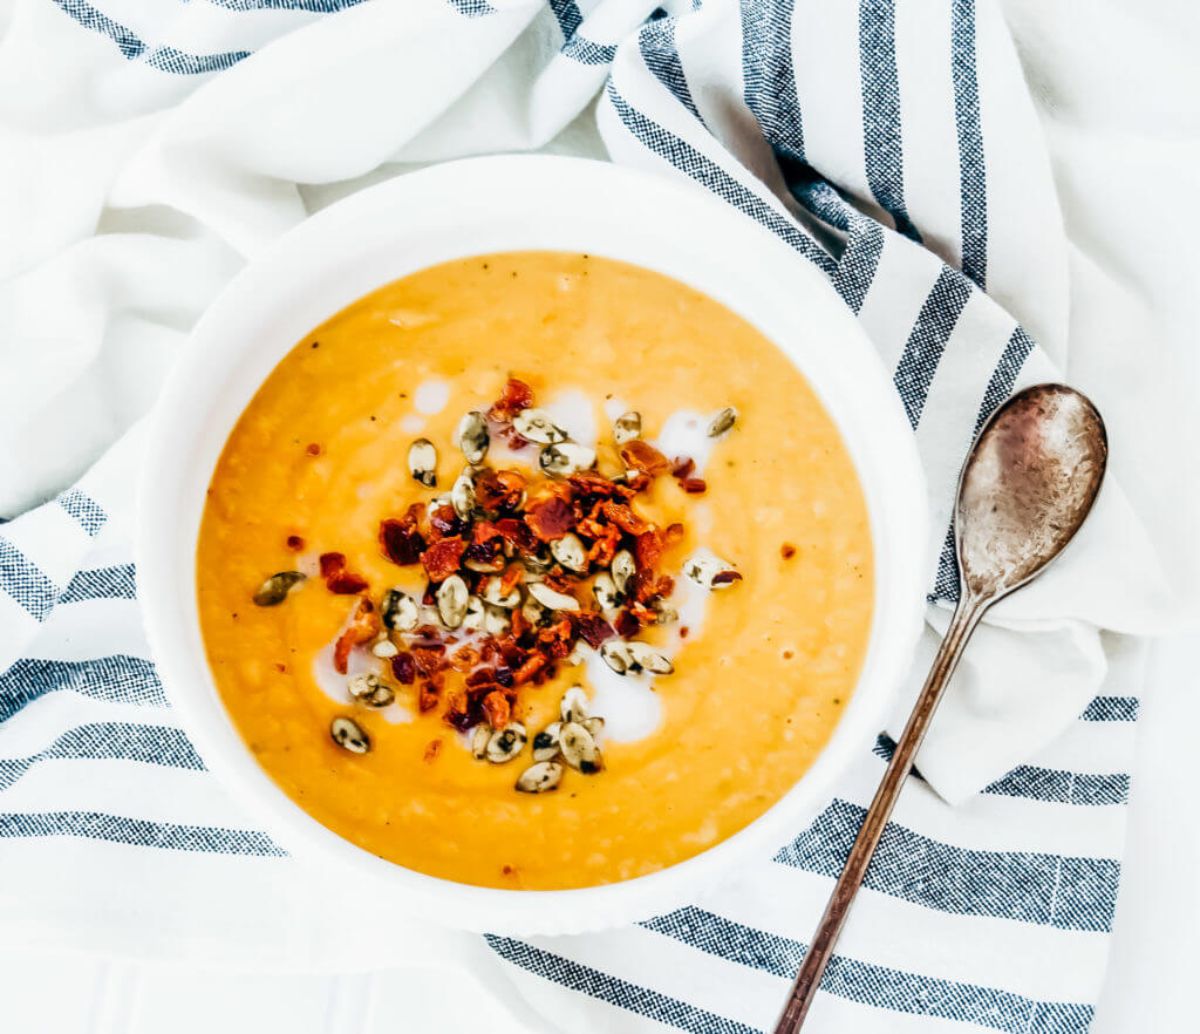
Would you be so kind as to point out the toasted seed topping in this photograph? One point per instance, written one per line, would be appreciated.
(475, 618)
(540, 777)
(665, 614)
(545, 743)
(472, 437)
(578, 748)
(370, 690)
(422, 462)
(427, 615)
(547, 597)
(722, 422)
(570, 552)
(384, 649)
(627, 427)
(496, 620)
(492, 591)
(534, 612)
(479, 740)
(623, 568)
(400, 611)
(617, 655)
(536, 563)
(462, 494)
(560, 461)
(505, 744)
(452, 597)
(649, 659)
(349, 736)
(536, 426)
(574, 705)
(605, 591)
(710, 571)
(594, 725)
(274, 590)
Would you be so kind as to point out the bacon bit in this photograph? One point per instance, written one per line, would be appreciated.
(429, 660)
(684, 631)
(627, 625)
(444, 523)
(625, 519)
(649, 549)
(787, 551)
(464, 659)
(560, 581)
(647, 585)
(432, 751)
(427, 697)
(534, 664)
(516, 533)
(295, 543)
(499, 490)
(400, 541)
(442, 558)
(496, 709)
(673, 535)
(487, 556)
(517, 395)
(550, 518)
(604, 549)
(642, 614)
(510, 579)
(520, 623)
(693, 486)
(337, 578)
(404, 669)
(645, 457)
(332, 564)
(593, 629)
(726, 578)
(684, 465)
(592, 483)
(364, 626)
(313, 449)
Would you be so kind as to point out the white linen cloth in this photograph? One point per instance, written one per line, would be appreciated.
(149, 150)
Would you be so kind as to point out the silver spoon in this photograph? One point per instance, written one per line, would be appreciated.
(1027, 485)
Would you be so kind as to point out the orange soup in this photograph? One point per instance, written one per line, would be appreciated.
(535, 571)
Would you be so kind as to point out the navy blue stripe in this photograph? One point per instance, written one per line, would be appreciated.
(687, 159)
(1049, 890)
(84, 509)
(883, 152)
(120, 679)
(311, 6)
(868, 984)
(972, 168)
(864, 238)
(947, 585)
(167, 59)
(587, 52)
(923, 351)
(769, 76)
(1111, 709)
(635, 998)
(568, 15)
(118, 829)
(102, 583)
(24, 581)
(1052, 785)
(110, 741)
(472, 8)
(656, 40)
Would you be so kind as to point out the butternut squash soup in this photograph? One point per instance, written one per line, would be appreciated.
(535, 571)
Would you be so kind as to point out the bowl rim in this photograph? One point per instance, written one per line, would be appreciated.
(622, 202)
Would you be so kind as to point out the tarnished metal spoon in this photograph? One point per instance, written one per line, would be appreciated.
(1027, 485)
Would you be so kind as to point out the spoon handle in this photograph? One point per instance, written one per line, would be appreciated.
(820, 951)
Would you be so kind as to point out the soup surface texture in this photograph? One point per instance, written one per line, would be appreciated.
(762, 669)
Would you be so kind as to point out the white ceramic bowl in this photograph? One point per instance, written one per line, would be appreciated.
(506, 204)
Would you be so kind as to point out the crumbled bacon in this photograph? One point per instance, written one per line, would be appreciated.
(645, 457)
(364, 626)
(625, 519)
(684, 466)
(649, 549)
(445, 523)
(517, 534)
(404, 669)
(442, 558)
(499, 490)
(433, 750)
(337, 578)
(496, 709)
(550, 518)
(693, 486)
(593, 629)
(401, 542)
(517, 395)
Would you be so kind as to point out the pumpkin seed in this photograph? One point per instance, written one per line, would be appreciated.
(574, 705)
(623, 568)
(541, 777)
(578, 748)
(536, 563)
(462, 493)
(594, 725)
(617, 655)
(605, 591)
(545, 743)
(274, 590)
(472, 437)
(400, 611)
(452, 597)
(479, 740)
(476, 615)
(547, 597)
(422, 462)
(370, 690)
(560, 461)
(505, 744)
(570, 552)
(722, 422)
(348, 735)
(534, 612)
(627, 427)
(427, 615)
(710, 571)
(384, 648)
(649, 659)
(536, 426)
(496, 621)
(492, 592)
(665, 614)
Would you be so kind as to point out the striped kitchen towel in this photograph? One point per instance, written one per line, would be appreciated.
(893, 144)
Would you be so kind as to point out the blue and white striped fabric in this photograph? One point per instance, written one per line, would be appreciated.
(893, 144)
